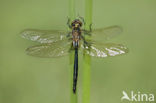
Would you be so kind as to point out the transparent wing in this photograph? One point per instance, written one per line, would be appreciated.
(105, 50)
(106, 33)
(44, 36)
(49, 50)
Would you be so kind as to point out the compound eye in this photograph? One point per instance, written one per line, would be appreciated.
(73, 24)
(80, 24)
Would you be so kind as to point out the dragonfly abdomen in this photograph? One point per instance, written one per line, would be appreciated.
(75, 74)
(75, 44)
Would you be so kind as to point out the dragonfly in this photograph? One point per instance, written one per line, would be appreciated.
(58, 43)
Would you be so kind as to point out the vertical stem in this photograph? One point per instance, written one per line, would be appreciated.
(72, 11)
(86, 78)
(88, 14)
(86, 57)
(73, 97)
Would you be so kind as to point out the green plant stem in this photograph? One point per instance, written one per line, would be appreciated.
(72, 11)
(88, 14)
(73, 97)
(86, 57)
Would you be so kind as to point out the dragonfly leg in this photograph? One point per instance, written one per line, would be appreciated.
(86, 32)
(71, 49)
(90, 27)
(68, 23)
(83, 38)
(68, 35)
(70, 39)
(82, 19)
(85, 42)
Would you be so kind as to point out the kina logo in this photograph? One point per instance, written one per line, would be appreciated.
(137, 96)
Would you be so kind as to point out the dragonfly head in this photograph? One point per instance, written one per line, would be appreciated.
(76, 23)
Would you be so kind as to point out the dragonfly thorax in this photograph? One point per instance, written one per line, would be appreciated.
(76, 37)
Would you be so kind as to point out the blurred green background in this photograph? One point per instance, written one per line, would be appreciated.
(26, 79)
